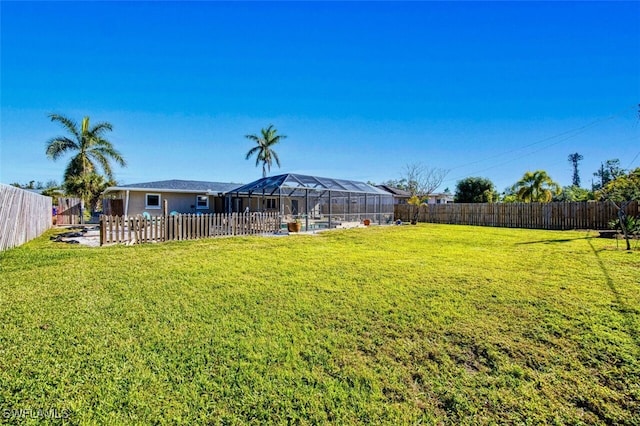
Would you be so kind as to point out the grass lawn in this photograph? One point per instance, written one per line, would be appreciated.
(427, 324)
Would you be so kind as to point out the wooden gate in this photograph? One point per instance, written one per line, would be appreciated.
(69, 211)
(113, 207)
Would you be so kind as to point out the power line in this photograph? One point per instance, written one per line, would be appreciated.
(634, 159)
(569, 134)
(577, 130)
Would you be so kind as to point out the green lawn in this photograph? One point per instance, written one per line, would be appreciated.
(427, 324)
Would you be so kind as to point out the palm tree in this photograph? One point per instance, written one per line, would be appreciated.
(264, 151)
(91, 147)
(536, 187)
(89, 187)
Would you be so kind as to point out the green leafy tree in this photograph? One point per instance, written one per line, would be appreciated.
(397, 183)
(623, 188)
(508, 195)
(621, 192)
(536, 187)
(475, 190)
(609, 170)
(49, 189)
(264, 150)
(574, 193)
(54, 190)
(31, 185)
(89, 187)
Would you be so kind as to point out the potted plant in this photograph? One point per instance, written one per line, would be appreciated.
(295, 226)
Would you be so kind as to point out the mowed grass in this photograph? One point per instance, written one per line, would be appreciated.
(424, 324)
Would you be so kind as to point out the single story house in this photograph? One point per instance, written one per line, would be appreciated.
(400, 196)
(318, 201)
(182, 196)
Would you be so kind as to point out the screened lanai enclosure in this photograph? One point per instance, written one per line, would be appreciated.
(316, 202)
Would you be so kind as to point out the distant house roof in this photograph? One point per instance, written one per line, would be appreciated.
(292, 181)
(397, 192)
(175, 185)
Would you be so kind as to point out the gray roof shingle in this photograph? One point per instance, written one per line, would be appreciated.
(395, 191)
(184, 185)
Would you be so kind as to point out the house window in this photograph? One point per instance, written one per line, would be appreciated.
(271, 203)
(202, 202)
(152, 201)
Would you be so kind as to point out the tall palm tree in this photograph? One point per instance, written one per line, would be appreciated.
(89, 144)
(264, 150)
(536, 187)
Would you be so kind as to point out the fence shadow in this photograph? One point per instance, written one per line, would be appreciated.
(555, 240)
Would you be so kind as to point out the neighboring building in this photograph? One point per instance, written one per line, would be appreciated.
(182, 196)
(440, 198)
(400, 196)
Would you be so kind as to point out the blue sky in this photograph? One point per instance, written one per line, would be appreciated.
(360, 89)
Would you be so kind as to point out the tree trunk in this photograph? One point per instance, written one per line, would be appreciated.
(622, 218)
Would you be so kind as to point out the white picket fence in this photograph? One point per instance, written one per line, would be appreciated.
(141, 229)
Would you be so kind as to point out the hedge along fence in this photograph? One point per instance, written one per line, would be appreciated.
(24, 215)
(552, 216)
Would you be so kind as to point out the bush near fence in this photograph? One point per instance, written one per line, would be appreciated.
(140, 229)
(24, 215)
(550, 216)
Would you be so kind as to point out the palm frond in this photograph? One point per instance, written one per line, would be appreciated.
(252, 151)
(67, 123)
(100, 128)
(58, 146)
(108, 151)
(275, 157)
(101, 159)
(76, 167)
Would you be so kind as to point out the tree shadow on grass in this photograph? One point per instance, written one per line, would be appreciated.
(622, 307)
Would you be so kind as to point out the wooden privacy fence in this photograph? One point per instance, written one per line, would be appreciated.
(113, 206)
(140, 229)
(24, 215)
(558, 216)
(69, 211)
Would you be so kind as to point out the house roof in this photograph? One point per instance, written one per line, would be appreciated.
(292, 181)
(395, 191)
(175, 185)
